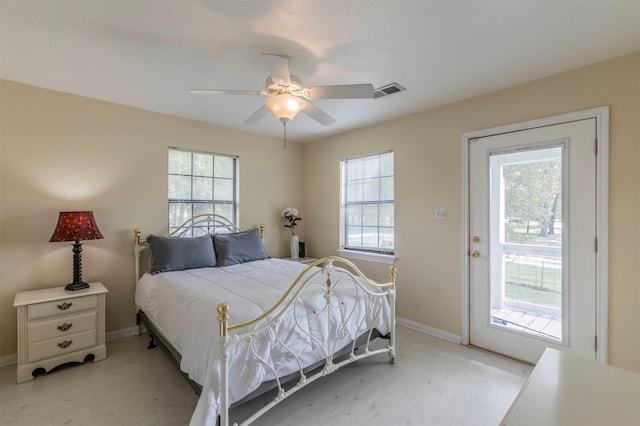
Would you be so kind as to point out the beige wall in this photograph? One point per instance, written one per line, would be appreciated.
(428, 175)
(61, 152)
(64, 152)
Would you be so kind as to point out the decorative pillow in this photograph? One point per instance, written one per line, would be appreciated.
(239, 247)
(176, 254)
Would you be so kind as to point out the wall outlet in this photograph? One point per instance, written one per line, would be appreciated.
(416, 306)
(440, 214)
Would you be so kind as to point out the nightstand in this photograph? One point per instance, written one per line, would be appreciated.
(57, 326)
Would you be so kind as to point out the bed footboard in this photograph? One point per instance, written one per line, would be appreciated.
(342, 321)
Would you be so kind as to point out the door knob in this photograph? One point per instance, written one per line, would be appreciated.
(475, 253)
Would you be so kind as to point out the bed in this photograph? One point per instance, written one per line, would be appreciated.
(239, 323)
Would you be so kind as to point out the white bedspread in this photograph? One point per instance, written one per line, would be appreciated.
(183, 305)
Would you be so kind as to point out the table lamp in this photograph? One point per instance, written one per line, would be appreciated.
(76, 226)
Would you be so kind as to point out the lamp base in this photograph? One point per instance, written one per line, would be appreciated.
(76, 286)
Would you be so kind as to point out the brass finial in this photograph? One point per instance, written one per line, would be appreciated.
(392, 272)
(223, 317)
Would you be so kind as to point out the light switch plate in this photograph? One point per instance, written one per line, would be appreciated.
(441, 214)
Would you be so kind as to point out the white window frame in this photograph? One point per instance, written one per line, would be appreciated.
(376, 254)
(191, 200)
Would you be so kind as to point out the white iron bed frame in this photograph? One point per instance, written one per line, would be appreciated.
(333, 360)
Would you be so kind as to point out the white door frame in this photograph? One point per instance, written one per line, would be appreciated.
(601, 115)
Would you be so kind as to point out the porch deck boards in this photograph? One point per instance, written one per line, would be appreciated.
(529, 322)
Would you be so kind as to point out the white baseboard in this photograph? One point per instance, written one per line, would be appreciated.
(112, 335)
(429, 330)
(8, 360)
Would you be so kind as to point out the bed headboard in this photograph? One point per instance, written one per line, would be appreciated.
(202, 224)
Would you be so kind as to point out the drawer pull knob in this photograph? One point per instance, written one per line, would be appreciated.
(65, 344)
(64, 306)
(65, 326)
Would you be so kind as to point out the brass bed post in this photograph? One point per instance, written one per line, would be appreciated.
(223, 317)
(392, 301)
(136, 253)
(392, 272)
(137, 250)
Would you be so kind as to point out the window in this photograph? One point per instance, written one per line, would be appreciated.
(199, 183)
(368, 204)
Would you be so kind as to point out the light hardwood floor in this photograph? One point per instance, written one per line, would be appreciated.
(434, 382)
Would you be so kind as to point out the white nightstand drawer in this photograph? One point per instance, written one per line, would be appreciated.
(63, 326)
(62, 307)
(62, 345)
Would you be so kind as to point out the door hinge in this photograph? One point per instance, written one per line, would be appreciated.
(596, 148)
(595, 343)
(596, 245)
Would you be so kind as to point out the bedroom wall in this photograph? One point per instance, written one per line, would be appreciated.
(65, 152)
(61, 152)
(427, 149)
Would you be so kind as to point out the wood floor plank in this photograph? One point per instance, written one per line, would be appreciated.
(433, 382)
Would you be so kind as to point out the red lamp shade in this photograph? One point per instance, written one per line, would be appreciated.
(76, 226)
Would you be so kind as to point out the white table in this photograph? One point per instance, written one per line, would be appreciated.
(568, 390)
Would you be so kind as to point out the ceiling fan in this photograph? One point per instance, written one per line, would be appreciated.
(286, 95)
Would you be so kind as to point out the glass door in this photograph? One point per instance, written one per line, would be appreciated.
(532, 224)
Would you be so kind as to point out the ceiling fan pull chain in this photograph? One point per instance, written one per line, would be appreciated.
(284, 123)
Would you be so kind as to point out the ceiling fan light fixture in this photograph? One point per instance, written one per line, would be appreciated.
(285, 106)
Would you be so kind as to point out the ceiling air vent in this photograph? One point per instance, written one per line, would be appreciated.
(387, 90)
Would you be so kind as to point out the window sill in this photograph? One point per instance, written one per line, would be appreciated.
(386, 259)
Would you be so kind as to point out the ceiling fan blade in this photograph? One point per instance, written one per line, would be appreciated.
(317, 114)
(256, 116)
(345, 91)
(225, 92)
(278, 66)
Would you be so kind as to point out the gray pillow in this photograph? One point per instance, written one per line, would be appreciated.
(239, 247)
(176, 254)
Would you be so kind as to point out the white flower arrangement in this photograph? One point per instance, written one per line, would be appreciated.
(291, 215)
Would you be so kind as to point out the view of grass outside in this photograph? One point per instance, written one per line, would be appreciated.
(538, 284)
(533, 278)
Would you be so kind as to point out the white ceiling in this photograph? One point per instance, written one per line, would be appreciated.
(148, 54)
